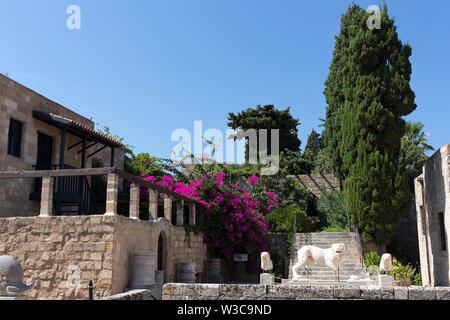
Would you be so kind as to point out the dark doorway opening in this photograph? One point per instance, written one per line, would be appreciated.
(43, 161)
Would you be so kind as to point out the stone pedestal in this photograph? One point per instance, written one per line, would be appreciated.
(266, 278)
(143, 271)
(187, 272)
(385, 280)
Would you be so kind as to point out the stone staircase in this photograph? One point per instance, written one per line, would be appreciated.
(352, 260)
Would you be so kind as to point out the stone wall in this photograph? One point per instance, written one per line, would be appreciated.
(60, 255)
(175, 291)
(317, 182)
(432, 191)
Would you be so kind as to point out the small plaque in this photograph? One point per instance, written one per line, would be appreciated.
(241, 257)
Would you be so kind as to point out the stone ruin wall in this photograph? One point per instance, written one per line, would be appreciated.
(60, 255)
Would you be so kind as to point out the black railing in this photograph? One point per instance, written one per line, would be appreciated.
(69, 192)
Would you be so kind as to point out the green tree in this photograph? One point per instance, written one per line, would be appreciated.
(368, 93)
(268, 117)
(413, 151)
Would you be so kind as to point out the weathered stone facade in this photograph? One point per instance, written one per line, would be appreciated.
(18, 102)
(176, 291)
(433, 218)
(60, 255)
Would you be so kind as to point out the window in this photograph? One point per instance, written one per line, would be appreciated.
(15, 137)
(442, 231)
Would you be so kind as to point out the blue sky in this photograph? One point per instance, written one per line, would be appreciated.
(146, 68)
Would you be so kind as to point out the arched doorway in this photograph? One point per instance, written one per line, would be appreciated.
(161, 263)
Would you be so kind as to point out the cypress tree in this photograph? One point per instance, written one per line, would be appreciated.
(368, 93)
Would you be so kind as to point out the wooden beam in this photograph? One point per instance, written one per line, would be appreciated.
(94, 153)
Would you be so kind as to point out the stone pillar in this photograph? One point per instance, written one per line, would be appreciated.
(180, 209)
(112, 192)
(152, 204)
(47, 197)
(134, 201)
(192, 214)
(167, 207)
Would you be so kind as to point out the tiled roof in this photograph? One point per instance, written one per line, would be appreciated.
(90, 130)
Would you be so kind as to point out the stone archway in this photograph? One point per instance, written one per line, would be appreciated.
(161, 258)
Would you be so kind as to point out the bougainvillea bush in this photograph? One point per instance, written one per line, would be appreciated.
(230, 213)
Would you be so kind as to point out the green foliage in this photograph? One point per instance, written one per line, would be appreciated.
(282, 220)
(291, 193)
(371, 259)
(373, 270)
(401, 271)
(268, 117)
(368, 93)
(412, 151)
(314, 144)
(294, 162)
(331, 206)
(323, 163)
(334, 228)
(417, 279)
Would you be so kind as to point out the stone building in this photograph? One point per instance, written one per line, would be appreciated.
(432, 190)
(37, 133)
(49, 216)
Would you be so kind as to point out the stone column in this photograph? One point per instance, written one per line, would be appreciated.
(167, 207)
(152, 204)
(47, 197)
(192, 214)
(112, 192)
(180, 209)
(134, 201)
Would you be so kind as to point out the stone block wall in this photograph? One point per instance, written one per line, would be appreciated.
(60, 255)
(432, 192)
(176, 291)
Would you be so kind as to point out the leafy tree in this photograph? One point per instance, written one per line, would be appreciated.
(412, 151)
(292, 163)
(268, 117)
(368, 93)
(323, 163)
(414, 133)
(314, 144)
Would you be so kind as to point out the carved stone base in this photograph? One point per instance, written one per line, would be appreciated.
(266, 278)
(385, 280)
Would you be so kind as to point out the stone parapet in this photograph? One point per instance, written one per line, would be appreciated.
(178, 291)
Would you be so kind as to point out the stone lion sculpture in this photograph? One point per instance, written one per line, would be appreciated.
(386, 263)
(266, 262)
(307, 256)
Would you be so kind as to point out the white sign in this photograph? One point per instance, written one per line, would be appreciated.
(241, 257)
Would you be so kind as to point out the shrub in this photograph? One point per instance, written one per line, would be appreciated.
(401, 271)
(331, 206)
(371, 259)
(334, 229)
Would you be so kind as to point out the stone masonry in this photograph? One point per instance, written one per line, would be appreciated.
(317, 182)
(432, 190)
(178, 291)
(18, 102)
(60, 255)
